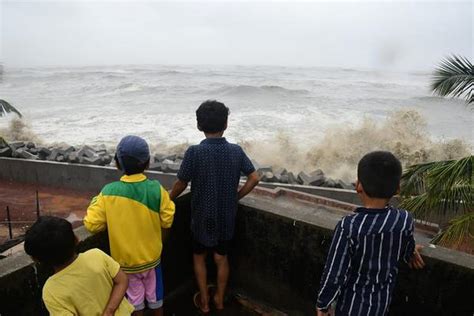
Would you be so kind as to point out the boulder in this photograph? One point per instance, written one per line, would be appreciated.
(5, 152)
(73, 157)
(30, 145)
(280, 171)
(171, 157)
(291, 178)
(303, 178)
(342, 185)
(329, 183)
(96, 161)
(54, 155)
(60, 158)
(66, 150)
(86, 151)
(23, 153)
(159, 157)
(106, 159)
(33, 150)
(269, 177)
(264, 168)
(155, 166)
(283, 178)
(169, 166)
(16, 145)
(43, 152)
(317, 178)
(3, 143)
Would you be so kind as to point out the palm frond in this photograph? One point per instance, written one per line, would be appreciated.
(6, 108)
(460, 230)
(441, 192)
(454, 77)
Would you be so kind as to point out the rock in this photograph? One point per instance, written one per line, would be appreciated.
(268, 177)
(159, 157)
(170, 157)
(263, 169)
(33, 150)
(3, 143)
(23, 153)
(60, 158)
(16, 145)
(101, 147)
(155, 166)
(30, 145)
(284, 178)
(280, 171)
(180, 156)
(66, 150)
(291, 178)
(96, 161)
(106, 159)
(86, 151)
(329, 183)
(43, 152)
(5, 152)
(169, 166)
(73, 157)
(317, 178)
(54, 155)
(342, 185)
(303, 178)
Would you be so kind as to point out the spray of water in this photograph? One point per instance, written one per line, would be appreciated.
(19, 130)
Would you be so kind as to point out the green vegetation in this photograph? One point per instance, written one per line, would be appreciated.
(6, 108)
(442, 191)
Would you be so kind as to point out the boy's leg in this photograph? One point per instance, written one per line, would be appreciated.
(200, 271)
(220, 258)
(136, 293)
(154, 290)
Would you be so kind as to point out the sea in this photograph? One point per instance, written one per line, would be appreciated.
(299, 117)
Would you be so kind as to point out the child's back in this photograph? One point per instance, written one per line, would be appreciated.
(84, 286)
(214, 168)
(367, 246)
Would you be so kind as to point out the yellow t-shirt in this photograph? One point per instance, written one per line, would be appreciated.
(84, 287)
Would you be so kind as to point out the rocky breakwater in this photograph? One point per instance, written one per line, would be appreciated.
(167, 163)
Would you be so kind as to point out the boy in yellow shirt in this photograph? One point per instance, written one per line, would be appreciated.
(134, 210)
(89, 283)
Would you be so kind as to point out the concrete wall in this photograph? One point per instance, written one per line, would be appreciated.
(280, 260)
(65, 175)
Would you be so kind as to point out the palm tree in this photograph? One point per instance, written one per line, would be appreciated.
(6, 108)
(454, 77)
(442, 191)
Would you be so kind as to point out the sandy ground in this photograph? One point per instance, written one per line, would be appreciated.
(21, 199)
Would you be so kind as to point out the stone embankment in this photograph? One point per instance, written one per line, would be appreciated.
(168, 163)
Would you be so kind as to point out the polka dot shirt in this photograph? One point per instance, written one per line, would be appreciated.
(214, 168)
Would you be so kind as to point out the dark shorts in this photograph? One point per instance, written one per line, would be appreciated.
(222, 248)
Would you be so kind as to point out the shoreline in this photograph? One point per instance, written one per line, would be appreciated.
(99, 155)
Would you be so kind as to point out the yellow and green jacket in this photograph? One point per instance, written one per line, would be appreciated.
(133, 210)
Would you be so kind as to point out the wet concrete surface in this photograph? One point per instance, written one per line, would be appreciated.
(21, 200)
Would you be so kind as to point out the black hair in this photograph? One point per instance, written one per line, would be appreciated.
(131, 165)
(51, 241)
(212, 116)
(379, 172)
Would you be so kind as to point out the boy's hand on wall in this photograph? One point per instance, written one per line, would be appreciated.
(416, 261)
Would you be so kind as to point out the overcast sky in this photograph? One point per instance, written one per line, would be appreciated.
(385, 35)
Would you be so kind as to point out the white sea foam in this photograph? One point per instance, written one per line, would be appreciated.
(297, 117)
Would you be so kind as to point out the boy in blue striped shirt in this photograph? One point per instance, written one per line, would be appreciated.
(367, 246)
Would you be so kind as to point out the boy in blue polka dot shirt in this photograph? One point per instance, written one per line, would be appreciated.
(213, 167)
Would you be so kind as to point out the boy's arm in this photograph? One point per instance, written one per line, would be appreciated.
(118, 293)
(337, 264)
(252, 181)
(248, 169)
(185, 174)
(167, 209)
(178, 187)
(412, 254)
(95, 220)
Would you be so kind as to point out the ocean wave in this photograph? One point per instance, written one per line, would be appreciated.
(264, 90)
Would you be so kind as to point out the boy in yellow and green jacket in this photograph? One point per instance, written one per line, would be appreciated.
(133, 210)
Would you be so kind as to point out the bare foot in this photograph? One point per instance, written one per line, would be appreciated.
(202, 303)
(218, 303)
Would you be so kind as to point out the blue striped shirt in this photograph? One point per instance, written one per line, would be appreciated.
(362, 264)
